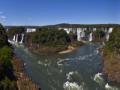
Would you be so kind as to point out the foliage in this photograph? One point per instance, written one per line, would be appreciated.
(113, 44)
(3, 36)
(7, 84)
(49, 37)
(73, 36)
(5, 56)
(99, 34)
(6, 81)
(112, 56)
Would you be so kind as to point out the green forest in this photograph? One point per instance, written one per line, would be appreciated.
(7, 79)
(49, 39)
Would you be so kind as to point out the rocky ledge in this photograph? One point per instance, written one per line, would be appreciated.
(24, 82)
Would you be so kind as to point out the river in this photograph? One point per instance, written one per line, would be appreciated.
(78, 70)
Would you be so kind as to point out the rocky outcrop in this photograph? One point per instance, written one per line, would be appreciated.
(111, 67)
(24, 82)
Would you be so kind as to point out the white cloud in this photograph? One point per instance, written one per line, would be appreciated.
(3, 17)
(1, 12)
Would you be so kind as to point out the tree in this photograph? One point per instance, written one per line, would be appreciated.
(49, 37)
(113, 44)
(99, 34)
(3, 36)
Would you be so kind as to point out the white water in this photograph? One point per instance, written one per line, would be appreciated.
(75, 72)
(22, 39)
(99, 79)
(60, 61)
(14, 38)
(90, 37)
(70, 74)
(72, 86)
(17, 38)
(108, 87)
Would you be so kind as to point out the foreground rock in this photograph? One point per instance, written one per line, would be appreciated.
(24, 82)
(111, 67)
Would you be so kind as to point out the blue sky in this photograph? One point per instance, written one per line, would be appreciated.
(44, 12)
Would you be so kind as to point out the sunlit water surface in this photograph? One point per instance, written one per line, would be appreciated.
(78, 70)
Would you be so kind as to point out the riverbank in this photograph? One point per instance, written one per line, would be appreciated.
(70, 49)
(111, 66)
(56, 50)
(24, 82)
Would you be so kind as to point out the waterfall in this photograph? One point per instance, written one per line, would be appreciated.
(79, 34)
(108, 34)
(82, 34)
(107, 37)
(14, 38)
(17, 38)
(90, 37)
(22, 39)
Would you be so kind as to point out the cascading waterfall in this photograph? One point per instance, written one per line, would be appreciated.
(107, 37)
(82, 34)
(91, 37)
(108, 34)
(79, 34)
(22, 39)
(14, 38)
(17, 38)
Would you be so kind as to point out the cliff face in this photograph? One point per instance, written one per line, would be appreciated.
(112, 67)
(111, 54)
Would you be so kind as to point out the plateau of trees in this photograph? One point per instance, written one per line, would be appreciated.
(49, 37)
(48, 40)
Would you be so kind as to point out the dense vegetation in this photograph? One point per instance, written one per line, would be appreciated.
(48, 38)
(112, 56)
(99, 35)
(114, 42)
(6, 73)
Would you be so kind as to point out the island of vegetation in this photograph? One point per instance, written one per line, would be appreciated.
(51, 40)
(111, 53)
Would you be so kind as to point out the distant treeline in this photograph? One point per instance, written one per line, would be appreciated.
(66, 25)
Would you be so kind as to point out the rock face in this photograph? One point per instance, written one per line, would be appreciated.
(111, 53)
(112, 68)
